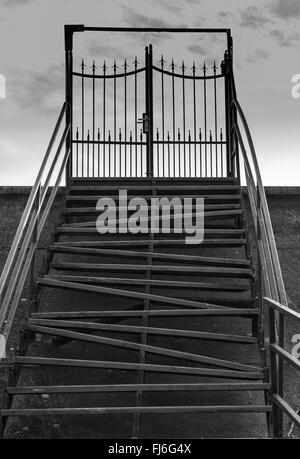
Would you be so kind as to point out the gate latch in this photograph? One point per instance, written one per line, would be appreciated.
(145, 122)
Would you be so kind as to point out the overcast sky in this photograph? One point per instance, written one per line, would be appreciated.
(266, 37)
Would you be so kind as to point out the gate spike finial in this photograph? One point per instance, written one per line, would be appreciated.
(77, 133)
(194, 68)
(109, 135)
(183, 67)
(204, 68)
(157, 134)
(162, 61)
(93, 67)
(189, 137)
(82, 65)
(104, 67)
(125, 65)
(221, 134)
(98, 134)
(200, 134)
(115, 67)
(135, 62)
(172, 65)
(214, 67)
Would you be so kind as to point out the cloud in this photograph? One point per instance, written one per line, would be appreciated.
(259, 54)
(286, 8)
(103, 51)
(225, 16)
(136, 19)
(197, 49)
(12, 3)
(38, 90)
(284, 40)
(253, 18)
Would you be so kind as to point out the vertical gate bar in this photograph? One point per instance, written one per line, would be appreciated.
(163, 111)
(120, 153)
(190, 158)
(205, 116)
(211, 154)
(104, 120)
(169, 154)
(195, 116)
(173, 109)
(216, 115)
(201, 162)
(77, 139)
(130, 159)
(125, 115)
(98, 152)
(115, 119)
(82, 114)
(142, 161)
(179, 153)
(183, 115)
(109, 154)
(157, 152)
(222, 157)
(94, 115)
(88, 153)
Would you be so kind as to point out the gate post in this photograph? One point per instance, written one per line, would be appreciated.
(149, 109)
(68, 92)
(229, 110)
(69, 31)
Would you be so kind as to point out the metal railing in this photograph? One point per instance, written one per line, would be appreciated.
(20, 265)
(270, 286)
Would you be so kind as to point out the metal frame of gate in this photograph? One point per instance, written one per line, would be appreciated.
(191, 152)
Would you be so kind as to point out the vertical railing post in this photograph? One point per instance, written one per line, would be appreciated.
(34, 240)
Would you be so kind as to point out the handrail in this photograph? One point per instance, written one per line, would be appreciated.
(21, 256)
(263, 209)
(269, 274)
(282, 355)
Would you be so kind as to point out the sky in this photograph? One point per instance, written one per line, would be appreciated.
(266, 36)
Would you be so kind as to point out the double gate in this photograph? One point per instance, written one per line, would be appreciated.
(149, 118)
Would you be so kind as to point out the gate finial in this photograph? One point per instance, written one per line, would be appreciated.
(82, 65)
(162, 61)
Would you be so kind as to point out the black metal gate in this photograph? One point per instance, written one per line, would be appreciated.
(149, 119)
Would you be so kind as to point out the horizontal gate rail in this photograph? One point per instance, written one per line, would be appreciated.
(21, 257)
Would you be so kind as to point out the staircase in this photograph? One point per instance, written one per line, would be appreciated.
(140, 336)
